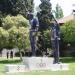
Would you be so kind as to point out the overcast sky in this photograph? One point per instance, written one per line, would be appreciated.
(66, 5)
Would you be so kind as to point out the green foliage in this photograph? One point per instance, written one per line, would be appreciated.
(47, 38)
(13, 24)
(68, 31)
(58, 12)
(23, 39)
(45, 17)
(18, 21)
(15, 7)
(4, 35)
(18, 37)
(45, 6)
(44, 41)
(14, 32)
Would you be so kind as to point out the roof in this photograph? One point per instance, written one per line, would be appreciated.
(66, 19)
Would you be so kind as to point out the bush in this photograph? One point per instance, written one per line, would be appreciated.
(68, 31)
(68, 38)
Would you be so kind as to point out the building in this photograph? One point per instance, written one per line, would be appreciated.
(67, 18)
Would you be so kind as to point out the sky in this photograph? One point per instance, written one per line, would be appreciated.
(66, 5)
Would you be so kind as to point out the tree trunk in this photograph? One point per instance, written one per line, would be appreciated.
(20, 54)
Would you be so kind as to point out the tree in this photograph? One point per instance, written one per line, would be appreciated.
(15, 7)
(18, 29)
(44, 42)
(18, 38)
(68, 38)
(13, 33)
(44, 17)
(4, 37)
(23, 39)
(58, 12)
(18, 21)
(68, 31)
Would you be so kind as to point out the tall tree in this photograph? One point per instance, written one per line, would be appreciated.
(58, 12)
(44, 17)
(16, 6)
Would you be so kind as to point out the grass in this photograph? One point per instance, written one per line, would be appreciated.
(46, 73)
(69, 60)
(4, 61)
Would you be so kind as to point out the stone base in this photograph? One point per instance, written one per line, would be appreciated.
(15, 68)
(59, 67)
(37, 64)
(43, 63)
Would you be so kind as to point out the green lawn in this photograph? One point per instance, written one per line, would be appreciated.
(70, 61)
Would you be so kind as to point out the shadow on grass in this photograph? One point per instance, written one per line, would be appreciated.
(10, 61)
(67, 60)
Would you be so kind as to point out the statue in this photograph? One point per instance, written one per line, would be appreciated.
(33, 30)
(47, 21)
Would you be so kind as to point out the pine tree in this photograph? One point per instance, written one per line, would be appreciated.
(58, 12)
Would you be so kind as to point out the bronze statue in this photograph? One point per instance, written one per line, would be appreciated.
(46, 21)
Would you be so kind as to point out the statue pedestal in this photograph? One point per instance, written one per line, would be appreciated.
(12, 68)
(38, 63)
(43, 63)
